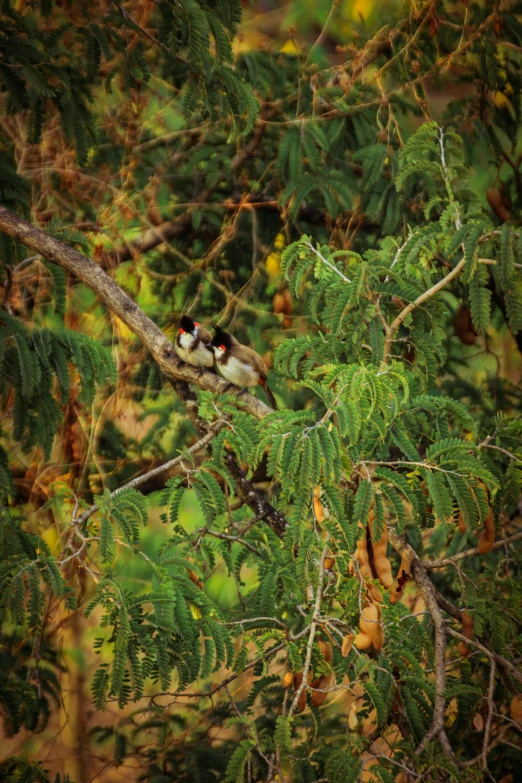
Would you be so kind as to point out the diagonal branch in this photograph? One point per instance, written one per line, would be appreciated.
(121, 305)
(404, 313)
(246, 490)
(136, 482)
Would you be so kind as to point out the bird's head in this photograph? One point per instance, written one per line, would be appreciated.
(221, 342)
(187, 325)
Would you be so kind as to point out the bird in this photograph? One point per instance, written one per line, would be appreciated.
(193, 343)
(239, 364)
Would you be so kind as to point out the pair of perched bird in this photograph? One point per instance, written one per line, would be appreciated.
(237, 363)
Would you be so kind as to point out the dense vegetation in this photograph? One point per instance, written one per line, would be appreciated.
(203, 588)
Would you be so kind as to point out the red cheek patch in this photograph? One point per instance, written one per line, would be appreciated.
(222, 348)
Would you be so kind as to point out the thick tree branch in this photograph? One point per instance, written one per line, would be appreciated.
(121, 305)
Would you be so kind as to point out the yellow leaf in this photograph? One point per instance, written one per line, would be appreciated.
(279, 242)
(289, 47)
(273, 266)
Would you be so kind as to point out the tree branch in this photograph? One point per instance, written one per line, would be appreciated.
(136, 482)
(491, 655)
(404, 313)
(469, 553)
(428, 592)
(121, 305)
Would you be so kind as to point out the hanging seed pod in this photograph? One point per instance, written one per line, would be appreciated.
(362, 557)
(487, 537)
(353, 720)
(319, 697)
(326, 650)
(403, 575)
(463, 649)
(287, 680)
(362, 641)
(381, 564)
(515, 708)
(347, 644)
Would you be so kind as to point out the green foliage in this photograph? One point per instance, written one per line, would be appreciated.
(35, 366)
(41, 71)
(386, 424)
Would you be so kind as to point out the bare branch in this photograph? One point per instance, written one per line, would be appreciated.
(469, 553)
(404, 313)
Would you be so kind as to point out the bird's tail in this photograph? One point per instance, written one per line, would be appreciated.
(271, 398)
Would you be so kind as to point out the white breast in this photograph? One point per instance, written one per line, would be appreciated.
(201, 357)
(238, 373)
(182, 345)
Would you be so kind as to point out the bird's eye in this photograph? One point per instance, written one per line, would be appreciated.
(222, 348)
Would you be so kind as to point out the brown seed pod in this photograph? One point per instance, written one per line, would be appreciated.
(463, 649)
(515, 708)
(478, 722)
(467, 625)
(370, 624)
(375, 593)
(487, 537)
(381, 564)
(353, 720)
(329, 563)
(278, 303)
(347, 644)
(462, 525)
(361, 555)
(463, 325)
(301, 703)
(193, 576)
(362, 641)
(318, 697)
(498, 204)
(403, 574)
(288, 302)
(326, 650)
(287, 680)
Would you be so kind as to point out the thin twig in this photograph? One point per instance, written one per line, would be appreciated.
(469, 553)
